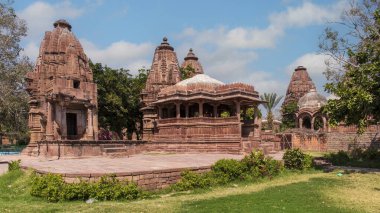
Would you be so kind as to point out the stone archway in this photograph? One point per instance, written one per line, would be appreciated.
(318, 123)
(306, 122)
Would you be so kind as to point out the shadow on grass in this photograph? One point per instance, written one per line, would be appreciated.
(296, 197)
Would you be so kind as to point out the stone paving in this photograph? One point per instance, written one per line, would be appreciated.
(136, 163)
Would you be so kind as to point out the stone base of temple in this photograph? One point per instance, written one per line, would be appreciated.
(195, 147)
(31, 150)
(80, 149)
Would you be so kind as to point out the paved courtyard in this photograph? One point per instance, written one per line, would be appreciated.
(136, 163)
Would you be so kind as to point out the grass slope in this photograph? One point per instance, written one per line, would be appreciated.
(308, 192)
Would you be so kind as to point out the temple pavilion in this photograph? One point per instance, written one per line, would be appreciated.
(199, 112)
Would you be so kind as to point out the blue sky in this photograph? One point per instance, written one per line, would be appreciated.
(252, 41)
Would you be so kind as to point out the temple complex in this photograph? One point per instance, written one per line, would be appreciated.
(300, 84)
(63, 97)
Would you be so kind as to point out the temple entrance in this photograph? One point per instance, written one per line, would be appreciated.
(71, 121)
(306, 122)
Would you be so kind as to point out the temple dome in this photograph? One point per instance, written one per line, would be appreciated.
(200, 79)
(312, 99)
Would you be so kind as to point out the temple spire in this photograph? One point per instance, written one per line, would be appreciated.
(192, 60)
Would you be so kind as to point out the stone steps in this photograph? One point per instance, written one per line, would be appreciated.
(114, 150)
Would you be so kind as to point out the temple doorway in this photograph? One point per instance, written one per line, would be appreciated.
(71, 121)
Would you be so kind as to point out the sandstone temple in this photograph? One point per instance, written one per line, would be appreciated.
(63, 96)
(196, 114)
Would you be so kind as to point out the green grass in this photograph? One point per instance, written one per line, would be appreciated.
(291, 192)
(295, 197)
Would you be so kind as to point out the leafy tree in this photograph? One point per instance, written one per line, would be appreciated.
(271, 102)
(289, 115)
(354, 46)
(13, 98)
(119, 98)
(186, 72)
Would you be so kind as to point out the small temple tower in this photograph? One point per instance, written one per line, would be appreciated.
(63, 97)
(299, 85)
(192, 61)
(164, 72)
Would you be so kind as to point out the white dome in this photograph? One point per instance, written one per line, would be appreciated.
(312, 99)
(200, 78)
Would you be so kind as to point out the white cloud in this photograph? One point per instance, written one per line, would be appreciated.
(254, 38)
(120, 54)
(307, 14)
(41, 15)
(31, 50)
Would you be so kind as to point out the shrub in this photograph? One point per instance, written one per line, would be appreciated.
(53, 188)
(339, 158)
(77, 191)
(296, 159)
(371, 154)
(14, 165)
(191, 180)
(110, 188)
(48, 186)
(229, 169)
(257, 165)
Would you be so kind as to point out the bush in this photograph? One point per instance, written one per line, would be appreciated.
(357, 157)
(191, 180)
(53, 188)
(48, 186)
(230, 169)
(296, 159)
(339, 158)
(257, 165)
(14, 165)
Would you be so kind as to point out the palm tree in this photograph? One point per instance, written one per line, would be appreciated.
(271, 100)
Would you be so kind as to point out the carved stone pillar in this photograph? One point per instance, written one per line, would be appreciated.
(63, 122)
(312, 123)
(200, 109)
(90, 130)
(178, 109)
(187, 110)
(159, 112)
(324, 123)
(215, 110)
(95, 122)
(49, 122)
(237, 103)
(300, 123)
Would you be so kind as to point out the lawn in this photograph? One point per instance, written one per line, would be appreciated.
(291, 192)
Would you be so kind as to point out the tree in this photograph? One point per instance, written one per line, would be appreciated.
(271, 102)
(119, 98)
(354, 77)
(13, 98)
(289, 115)
(186, 72)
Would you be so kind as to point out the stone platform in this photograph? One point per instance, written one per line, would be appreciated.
(150, 170)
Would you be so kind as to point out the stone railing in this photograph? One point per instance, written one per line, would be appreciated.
(198, 120)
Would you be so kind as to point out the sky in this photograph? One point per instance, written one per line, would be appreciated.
(252, 41)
